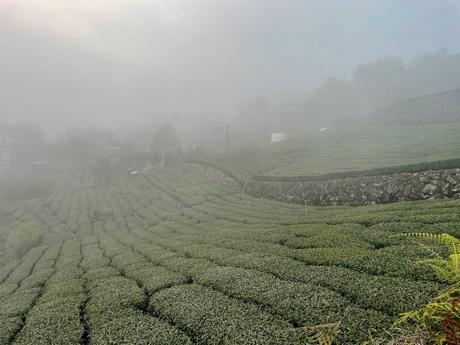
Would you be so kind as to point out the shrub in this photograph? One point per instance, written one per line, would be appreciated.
(24, 269)
(217, 319)
(18, 303)
(10, 325)
(114, 317)
(299, 303)
(37, 279)
(133, 327)
(55, 319)
(155, 278)
(6, 270)
(7, 289)
(100, 273)
(24, 237)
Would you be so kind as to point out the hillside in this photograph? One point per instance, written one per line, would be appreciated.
(171, 258)
(440, 107)
(343, 151)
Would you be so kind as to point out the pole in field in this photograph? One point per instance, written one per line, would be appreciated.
(227, 136)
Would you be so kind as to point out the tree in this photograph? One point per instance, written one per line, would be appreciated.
(381, 83)
(165, 139)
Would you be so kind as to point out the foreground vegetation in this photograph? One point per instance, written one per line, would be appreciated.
(439, 320)
(169, 258)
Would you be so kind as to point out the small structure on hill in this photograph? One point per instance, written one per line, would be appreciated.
(277, 137)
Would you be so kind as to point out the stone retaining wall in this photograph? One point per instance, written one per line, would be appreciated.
(347, 191)
(363, 190)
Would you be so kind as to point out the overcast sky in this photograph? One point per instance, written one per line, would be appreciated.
(122, 62)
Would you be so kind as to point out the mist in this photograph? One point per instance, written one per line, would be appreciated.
(120, 64)
(83, 84)
(229, 172)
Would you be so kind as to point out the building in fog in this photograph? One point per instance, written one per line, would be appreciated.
(277, 137)
(6, 144)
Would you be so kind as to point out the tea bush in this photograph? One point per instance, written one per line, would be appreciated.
(171, 258)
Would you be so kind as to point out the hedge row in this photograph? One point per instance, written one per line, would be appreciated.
(303, 304)
(399, 169)
(292, 302)
(23, 287)
(214, 318)
(299, 303)
(9, 327)
(55, 319)
(24, 269)
(55, 316)
(388, 294)
(115, 318)
(140, 268)
(396, 261)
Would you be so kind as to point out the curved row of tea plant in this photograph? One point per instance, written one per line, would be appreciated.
(170, 258)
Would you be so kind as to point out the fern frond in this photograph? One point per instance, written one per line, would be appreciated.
(445, 271)
(445, 239)
(408, 317)
(439, 318)
(433, 253)
(437, 310)
(325, 334)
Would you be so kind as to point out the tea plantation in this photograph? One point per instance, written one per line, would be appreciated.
(341, 151)
(170, 258)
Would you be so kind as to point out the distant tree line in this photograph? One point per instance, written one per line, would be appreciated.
(374, 85)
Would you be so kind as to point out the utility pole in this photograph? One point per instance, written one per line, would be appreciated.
(227, 136)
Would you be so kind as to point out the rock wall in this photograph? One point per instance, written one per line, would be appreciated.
(363, 190)
(353, 191)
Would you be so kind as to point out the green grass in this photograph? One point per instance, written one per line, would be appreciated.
(344, 151)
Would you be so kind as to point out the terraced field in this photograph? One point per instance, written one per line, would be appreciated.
(345, 150)
(170, 258)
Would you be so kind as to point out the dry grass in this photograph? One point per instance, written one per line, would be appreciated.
(408, 337)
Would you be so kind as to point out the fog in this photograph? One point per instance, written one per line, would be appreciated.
(229, 172)
(129, 63)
